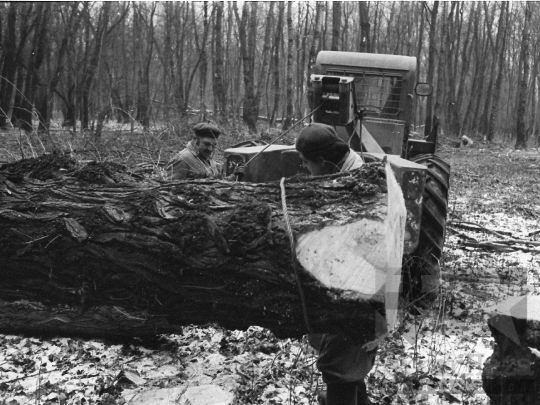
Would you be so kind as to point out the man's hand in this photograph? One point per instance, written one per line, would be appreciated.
(238, 173)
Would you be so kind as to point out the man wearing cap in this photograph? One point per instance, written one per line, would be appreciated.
(344, 365)
(322, 152)
(195, 161)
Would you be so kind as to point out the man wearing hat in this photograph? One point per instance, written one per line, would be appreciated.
(344, 365)
(323, 152)
(195, 161)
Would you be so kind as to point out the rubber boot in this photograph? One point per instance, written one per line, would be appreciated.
(321, 398)
(361, 394)
(341, 394)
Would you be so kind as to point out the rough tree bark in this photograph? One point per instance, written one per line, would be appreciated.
(247, 29)
(315, 45)
(430, 119)
(289, 109)
(336, 19)
(9, 70)
(521, 102)
(92, 246)
(219, 65)
(277, 48)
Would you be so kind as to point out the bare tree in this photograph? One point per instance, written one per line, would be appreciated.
(218, 81)
(277, 46)
(92, 66)
(21, 114)
(265, 57)
(521, 103)
(365, 27)
(430, 119)
(289, 88)
(9, 70)
(247, 26)
(501, 49)
(336, 20)
(313, 51)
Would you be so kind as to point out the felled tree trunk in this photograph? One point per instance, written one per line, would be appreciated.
(91, 250)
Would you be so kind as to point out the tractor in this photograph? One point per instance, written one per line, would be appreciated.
(369, 100)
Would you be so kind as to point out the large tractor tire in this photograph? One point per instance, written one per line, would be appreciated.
(422, 273)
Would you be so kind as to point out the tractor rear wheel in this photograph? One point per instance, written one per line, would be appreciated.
(421, 276)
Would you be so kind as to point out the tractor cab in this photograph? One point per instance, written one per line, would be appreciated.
(384, 92)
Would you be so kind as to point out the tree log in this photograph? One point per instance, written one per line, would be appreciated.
(96, 250)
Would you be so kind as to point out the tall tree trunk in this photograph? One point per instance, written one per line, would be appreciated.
(91, 69)
(441, 71)
(419, 102)
(313, 52)
(277, 48)
(430, 121)
(336, 25)
(203, 68)
(9, 70)
(39, 90)
(147, 47)
(503, 28)
(21, 115)
(521, 100)
(324, 27)
(301, 63)
(247, 29)
(289, 89)
(267, 46)
(465, 65)
(452, 40)
(479, 95)
(218, 80)
(181, 13)
(201, 52)
(486, 113)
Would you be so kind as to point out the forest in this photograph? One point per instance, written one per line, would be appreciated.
(250, 62)
(111, 90)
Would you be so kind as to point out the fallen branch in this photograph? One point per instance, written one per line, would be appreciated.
(502, 246)
(471, 226)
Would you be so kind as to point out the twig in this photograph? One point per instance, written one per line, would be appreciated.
(503, 246)
(471, 226)
(534, 233)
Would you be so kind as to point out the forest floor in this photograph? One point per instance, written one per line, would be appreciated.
(436, 357)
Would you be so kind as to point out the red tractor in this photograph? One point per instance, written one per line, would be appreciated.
(369, 99)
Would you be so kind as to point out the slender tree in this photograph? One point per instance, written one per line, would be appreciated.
(92, 66)
(21, 115)
(9, 70)
(277, 46)
(289, 87)
(265, 57)
(313, 51)
(247, 26)
(501, 50)
(521, 102)
(336, 20)
(430, 119)
(218, 79)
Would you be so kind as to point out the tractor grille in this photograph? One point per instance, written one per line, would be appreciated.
(379, 94)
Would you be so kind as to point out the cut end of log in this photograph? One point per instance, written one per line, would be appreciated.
(350, 257)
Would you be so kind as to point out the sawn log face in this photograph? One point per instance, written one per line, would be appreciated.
(189, 252)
